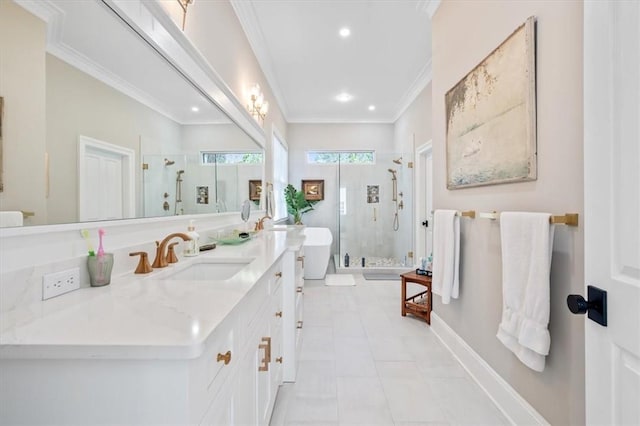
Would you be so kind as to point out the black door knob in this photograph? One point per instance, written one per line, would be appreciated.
(577, 304)
(425, 223)
(596, 306)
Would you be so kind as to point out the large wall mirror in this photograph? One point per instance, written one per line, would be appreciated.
(97, 125)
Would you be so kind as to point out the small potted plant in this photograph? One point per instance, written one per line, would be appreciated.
(297, 204)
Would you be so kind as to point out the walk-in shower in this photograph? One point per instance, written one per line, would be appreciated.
(373, 227)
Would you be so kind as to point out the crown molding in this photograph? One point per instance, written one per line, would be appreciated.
(424, 77)
(248, 20)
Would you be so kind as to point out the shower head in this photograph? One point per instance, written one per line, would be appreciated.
(180, 172)
(168, 162)
(398, 160)
(393, 172)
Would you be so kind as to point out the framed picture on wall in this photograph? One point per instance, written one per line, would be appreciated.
(313, 189)
(202, 195)
(491, 116)
(255, 190)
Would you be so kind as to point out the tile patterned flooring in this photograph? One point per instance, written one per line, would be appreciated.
(362, 363)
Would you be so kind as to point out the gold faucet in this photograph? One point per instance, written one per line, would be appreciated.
(161, 259)
(260, 223)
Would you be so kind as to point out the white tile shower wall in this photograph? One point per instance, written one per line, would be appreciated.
(28, 253)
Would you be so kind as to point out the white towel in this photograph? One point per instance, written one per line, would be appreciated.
(527, 246)
(446, 254)
(8, 218)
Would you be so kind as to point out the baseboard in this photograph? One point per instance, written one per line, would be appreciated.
(517, 410)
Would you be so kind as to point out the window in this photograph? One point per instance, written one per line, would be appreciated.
(213, 157)
(280, 176)
(341, 157)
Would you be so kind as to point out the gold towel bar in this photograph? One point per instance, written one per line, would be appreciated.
(469, 213)
(569, 219)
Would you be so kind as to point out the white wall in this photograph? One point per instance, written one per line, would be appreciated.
(463, 34)
(22, 84)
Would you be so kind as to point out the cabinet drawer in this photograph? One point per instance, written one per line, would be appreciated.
(219, 358)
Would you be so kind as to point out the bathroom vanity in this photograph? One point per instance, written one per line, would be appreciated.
(203, 341)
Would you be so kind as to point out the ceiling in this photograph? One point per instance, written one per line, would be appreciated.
(385, 61)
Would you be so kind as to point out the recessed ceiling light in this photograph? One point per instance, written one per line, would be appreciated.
(344, 97)
(372, 107)
(345, 32)
(195, 109)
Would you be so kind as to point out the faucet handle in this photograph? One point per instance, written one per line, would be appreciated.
(171, 254)
(143, 265)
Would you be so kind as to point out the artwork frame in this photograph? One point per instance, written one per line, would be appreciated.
(491, 116)
(255, 190)
(202, 194)
(1, 149)
(373, 194)
(313, 189)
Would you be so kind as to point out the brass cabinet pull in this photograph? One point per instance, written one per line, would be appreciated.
(279, 359)
(278, 274)
(266, 345)
(299, 324)
(265, 363)
(301, 259)
(267, 340)
(299, 289)
(224, 357)
(279, 314)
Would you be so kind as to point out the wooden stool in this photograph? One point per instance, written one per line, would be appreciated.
(418, 304)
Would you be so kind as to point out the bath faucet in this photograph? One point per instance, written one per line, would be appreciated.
(260, 223)
(161, 259)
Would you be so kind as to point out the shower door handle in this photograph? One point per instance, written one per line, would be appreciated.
(425, 223)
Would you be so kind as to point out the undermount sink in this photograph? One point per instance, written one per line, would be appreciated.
(219, 269)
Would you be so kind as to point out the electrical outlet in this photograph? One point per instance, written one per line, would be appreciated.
(59, 283)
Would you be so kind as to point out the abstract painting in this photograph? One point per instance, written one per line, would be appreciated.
(491, 117)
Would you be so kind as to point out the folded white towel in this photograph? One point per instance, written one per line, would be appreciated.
(527, 246)
(446, 254)
(9, 218)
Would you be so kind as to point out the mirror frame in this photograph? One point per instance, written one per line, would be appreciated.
(150, 21)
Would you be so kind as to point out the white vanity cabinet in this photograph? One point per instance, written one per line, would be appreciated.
(248, 396)
(293, 294)
(231, 379)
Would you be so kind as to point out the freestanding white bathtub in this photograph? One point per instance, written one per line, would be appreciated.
(317, 248)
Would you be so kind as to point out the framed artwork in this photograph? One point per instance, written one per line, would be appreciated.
(255, 190)
(202, 195)
(313, 189)
(373, 194)
(1, 162)
(491, 116)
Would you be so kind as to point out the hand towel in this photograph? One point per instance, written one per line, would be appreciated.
(446, 254)
(8, 218)
(527, 246)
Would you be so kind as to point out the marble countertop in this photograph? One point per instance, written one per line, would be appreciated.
(139, 316)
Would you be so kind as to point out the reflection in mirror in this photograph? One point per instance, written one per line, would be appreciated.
(207, 182)
(95, 79)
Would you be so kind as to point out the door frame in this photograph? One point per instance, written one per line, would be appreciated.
(86, 145)
(421, 152)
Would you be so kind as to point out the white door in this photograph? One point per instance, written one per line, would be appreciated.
(612, 208)
(105, 181)
(424, 200)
